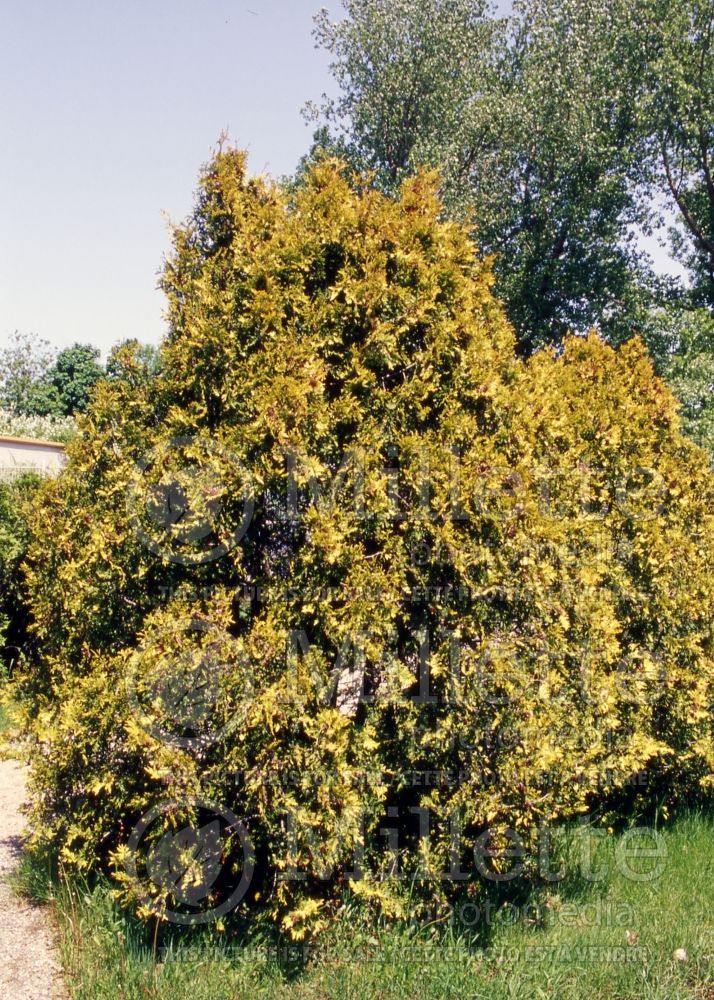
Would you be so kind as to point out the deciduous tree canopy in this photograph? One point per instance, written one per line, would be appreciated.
(559, 129)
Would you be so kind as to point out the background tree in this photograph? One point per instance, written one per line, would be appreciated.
(532, 121)
(678, 119)
(134, 360)
(681, 343)
(35, 382)
(73, 376)
(24, 368)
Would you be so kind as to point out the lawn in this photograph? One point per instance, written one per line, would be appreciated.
(621, 937)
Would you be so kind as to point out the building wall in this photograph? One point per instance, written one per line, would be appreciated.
(18, 455)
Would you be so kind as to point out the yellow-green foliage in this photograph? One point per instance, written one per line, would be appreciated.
(513, 562)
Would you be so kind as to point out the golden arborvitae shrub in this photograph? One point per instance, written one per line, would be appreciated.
(351, 571)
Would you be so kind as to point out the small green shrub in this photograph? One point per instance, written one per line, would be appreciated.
(15, 495)
(347, 564)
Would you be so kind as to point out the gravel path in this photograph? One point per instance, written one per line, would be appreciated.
(29, 966)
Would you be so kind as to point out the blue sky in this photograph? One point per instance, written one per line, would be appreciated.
(108, 110)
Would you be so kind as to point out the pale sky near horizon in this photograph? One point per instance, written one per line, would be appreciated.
(108, 111)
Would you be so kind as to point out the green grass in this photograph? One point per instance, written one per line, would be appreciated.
(612, 939)
(5, 719)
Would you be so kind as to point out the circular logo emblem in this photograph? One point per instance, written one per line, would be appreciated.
(190, 500)
(191, 873)
(188, 686)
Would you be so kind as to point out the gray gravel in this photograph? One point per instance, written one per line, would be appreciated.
(29, 966)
